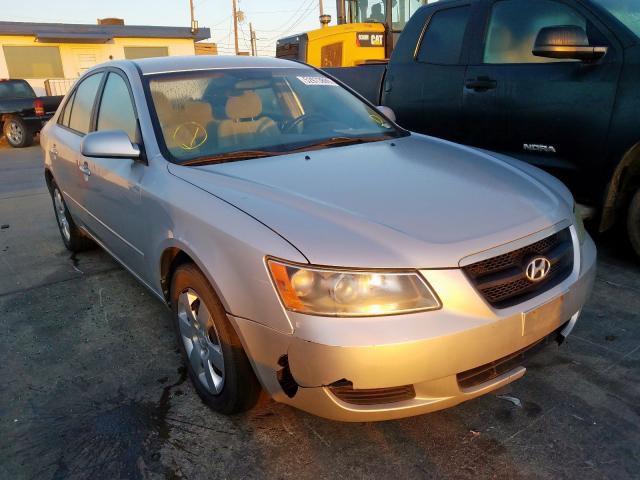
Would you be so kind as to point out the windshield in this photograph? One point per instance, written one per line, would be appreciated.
(205, 114)
(19, 89)
(627, 11)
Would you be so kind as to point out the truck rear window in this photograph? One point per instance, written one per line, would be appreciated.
(9, 89)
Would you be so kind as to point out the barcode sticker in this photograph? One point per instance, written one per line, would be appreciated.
(323, 81)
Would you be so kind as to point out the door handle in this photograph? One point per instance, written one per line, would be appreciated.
(84, 168)
(54, 151)
(480, 84)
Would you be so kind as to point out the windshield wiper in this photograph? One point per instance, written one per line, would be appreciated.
(231, 156)
(249, 154)
(340, 142)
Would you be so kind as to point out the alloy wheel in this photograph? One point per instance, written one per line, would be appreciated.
(201, 341)
(15, 133)
(61, 215)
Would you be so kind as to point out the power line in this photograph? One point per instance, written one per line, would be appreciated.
(305, 13)
(290, 24)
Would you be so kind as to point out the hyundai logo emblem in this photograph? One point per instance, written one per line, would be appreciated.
(537, 269)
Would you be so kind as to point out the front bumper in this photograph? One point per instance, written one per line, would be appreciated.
(382, 352)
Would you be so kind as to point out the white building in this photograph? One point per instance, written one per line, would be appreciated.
(50, 56)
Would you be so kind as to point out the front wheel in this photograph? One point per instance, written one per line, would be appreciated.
(633, 222)
(216, 362)
(17, 133)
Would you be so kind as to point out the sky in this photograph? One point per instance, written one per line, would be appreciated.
(271, 19)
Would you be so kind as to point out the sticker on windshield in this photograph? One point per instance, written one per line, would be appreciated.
(322, 81)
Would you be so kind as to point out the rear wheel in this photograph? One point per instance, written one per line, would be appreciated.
(72, 237)
(216, 362)
(17, 133)
(633, 222)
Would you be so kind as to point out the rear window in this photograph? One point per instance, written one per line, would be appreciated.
(16, 90)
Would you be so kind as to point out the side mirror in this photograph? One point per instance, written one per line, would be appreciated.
(109, 144)
(568, 42)
(387, 112)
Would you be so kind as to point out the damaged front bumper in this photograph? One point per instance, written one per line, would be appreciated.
(367, 369)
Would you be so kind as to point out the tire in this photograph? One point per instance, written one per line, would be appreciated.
(213, 355)
(633, 222)
(17, 133)
(74, 240)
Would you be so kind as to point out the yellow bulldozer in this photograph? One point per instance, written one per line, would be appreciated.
(365, 33)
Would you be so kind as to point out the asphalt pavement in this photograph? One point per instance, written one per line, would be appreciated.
(91, 384)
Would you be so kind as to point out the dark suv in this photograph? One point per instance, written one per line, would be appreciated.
(553, 82)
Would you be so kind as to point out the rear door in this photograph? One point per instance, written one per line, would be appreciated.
(424, 81)
(73, 124)
(483, 119)
(115, 183)
(557, 111)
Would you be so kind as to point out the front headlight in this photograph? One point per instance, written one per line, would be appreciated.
(579, 224)
(350, 293)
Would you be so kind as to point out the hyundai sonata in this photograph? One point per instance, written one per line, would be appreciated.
(309, 246)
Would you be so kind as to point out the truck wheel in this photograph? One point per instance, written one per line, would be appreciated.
(17, 133)
(71, 235)
(216, 362)
(633, 222)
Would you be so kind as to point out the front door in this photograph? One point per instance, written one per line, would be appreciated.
(557, 111)
(116, 193)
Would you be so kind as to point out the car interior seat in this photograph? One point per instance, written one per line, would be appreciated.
(244, 126)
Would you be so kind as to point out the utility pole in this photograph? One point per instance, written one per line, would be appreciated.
(194, 23)
(252, 36)
(235, 25)
(321, 8)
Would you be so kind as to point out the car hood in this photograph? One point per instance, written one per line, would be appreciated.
(412, 202)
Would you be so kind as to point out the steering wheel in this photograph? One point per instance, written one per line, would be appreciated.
(291, 124)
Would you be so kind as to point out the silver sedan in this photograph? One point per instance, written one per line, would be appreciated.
(309, 246)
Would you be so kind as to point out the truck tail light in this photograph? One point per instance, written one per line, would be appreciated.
(38, 107)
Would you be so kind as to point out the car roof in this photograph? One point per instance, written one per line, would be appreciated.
(149, 66)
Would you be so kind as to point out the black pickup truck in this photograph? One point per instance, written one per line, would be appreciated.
(555, 83)
(22, 113)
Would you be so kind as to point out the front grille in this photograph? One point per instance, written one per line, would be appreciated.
(502, 281)
(491, 370)
(371, 396)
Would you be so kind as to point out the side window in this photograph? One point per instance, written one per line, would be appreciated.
(66, 113)
(116, 110)
(515, 24)
(83, 100)
(442, 41)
